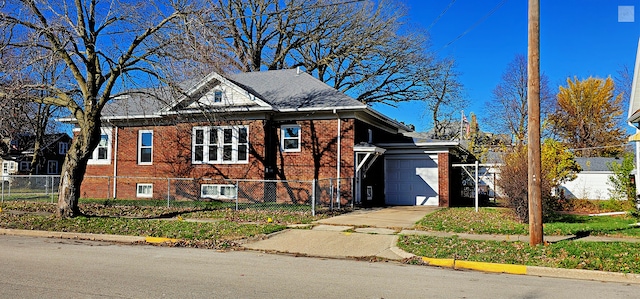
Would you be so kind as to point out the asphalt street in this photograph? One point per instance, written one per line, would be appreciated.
(60, 268)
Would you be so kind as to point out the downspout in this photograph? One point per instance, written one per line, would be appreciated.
(115, 162)
(339, 157)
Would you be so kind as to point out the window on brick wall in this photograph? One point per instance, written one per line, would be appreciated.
(144, 190)
(220, 145)
(290, 138)
(102, 153)
(145, 147)
(215, 191)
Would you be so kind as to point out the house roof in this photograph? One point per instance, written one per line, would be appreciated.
(139, 103)
(48, 140)
(282, 91)
(596, 163)
(293, 89)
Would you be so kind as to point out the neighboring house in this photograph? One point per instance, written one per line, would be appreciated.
(272, 125)
(633, 115)
(592, 181)
(19, 155)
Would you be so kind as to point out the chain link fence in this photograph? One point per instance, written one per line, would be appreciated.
(297, 195)
(30, 187)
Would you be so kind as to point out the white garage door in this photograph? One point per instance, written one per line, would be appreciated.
(411, 180)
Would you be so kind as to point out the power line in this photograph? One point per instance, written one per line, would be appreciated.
(475, 24)
(599, 147)
(441, 14)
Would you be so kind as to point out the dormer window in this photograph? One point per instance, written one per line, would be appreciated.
(217, 96)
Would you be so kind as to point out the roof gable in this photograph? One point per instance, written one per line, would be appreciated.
(292, 89)
(203, 95)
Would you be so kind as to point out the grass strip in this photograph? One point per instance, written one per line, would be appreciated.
(503, 221)
(604, 256)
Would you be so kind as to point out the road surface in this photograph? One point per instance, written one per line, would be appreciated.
(55, 268)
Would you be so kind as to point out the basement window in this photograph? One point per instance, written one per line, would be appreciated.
(144, 190)
(215, 191)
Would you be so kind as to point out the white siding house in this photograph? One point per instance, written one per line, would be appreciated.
(592, 181)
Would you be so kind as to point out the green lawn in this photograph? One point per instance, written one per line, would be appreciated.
(218, 225)
(503, 221)
(613, 257)
(574, 254)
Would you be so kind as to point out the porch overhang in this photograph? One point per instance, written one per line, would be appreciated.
(366, 154)
(634, 138)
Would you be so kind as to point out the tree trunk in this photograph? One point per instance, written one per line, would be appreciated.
(74, 167)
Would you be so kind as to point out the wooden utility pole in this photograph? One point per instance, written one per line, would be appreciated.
(533, 104)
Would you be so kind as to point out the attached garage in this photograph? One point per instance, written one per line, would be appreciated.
(411, 180)
(420, 173)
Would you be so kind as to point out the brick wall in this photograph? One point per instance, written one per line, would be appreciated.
(444, 170)
(172, 157)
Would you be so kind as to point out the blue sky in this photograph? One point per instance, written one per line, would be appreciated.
(577, 38)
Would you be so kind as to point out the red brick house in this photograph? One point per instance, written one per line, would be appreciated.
(273, 125)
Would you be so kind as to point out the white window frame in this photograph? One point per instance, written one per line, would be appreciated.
(94, 156)
(222, 144)
(218, 191)
(284, 138)
(142, 187)
(215, 96)
(63, 148)
(9, 167)
(141, 147)
(49, 164)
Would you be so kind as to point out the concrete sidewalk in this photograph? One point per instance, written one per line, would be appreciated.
(364, 233)
(391, 217)
(374, 233)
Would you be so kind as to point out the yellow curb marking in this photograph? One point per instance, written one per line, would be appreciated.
(491, 267)
(159, 240)
(449, 263)
(347, 233)
(479, 266)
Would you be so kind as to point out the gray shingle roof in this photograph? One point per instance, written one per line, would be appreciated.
(596, 163)
(141, 102)
(290, 89)
(282, 89)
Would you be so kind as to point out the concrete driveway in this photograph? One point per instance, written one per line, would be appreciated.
(389, 217)
(362, 233)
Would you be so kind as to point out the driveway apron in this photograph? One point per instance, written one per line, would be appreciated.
(363, 233)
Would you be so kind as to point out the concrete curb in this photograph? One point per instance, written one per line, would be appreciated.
(534, 270)
(85, 236)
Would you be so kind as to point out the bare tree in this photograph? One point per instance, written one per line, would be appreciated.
(623, 81)
(103, 46)
(507, 112)
(358, 48)
(444, 98)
